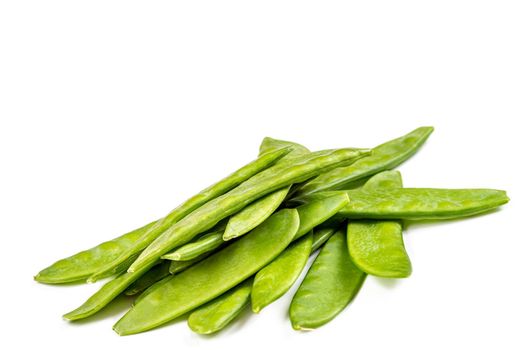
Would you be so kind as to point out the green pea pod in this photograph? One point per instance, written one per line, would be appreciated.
(417, 203)
(188, 206)
(221, 311)
(316, 212)
(106, 294)
(376, 247)
(151, 288)
(276, 278)
(280, 175)
(179, 266)
(322, 235)
(384, 157)
(329, 286)
(151, 277)
(204, 244)
(255, 213)
(82, 265)
(212, 276)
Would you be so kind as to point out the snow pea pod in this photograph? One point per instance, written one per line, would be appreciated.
(204, 244)
(295, 170)
(276, 278)
(316, 212)
(322, 235)
(417, 203)
(212, 276)
(82, 265)
(106, 294)
(376, 246)
(330, 284)
(221, 311)
(178, 266)
(151, 277)
(219, 188)
(385, 156)
(255, 213)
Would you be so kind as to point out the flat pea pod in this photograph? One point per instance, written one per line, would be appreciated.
(151, 288)
(330, 284)
(385, 156)
(255, 213)
(106, 294)
(321, 235)
(221, 311)
(280, 175)
(155, 274)
(417, 203)
(204, 244)
(83, 264)
(179, 266)
(213, 276)
(219, 188)
(276, 278)
(376, 246)
(316, 212)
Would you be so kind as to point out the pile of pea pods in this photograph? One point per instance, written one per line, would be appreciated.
(246, 239)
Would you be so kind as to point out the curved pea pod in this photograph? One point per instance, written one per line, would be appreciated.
(385, 156)
(417, 203)
(204, 244)
(280, 175)
(177, 266)
(316, 212)
(269, 144)
(321, 235)
(329, 286)
(213, 276)
(106, 294)
(375, 246)
(151, 277)
(217, 189)
(276, 278)
(151, 288)
(81, 265)
(221, 311)
(255, 213)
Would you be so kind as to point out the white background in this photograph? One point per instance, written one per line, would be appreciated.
(113, 112)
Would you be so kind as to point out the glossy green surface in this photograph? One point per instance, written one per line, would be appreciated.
(204, 244)
(188, 206)
(272, 281)
(330, 284)
(283, 174)
(376, 246)
(385, 156)
(221, 311)
(178, 266)
(106, 294)
(151, 288)
(255, 213)
(322, 235)
(82, 265)
(155, 274)
(316, 212)
(417, 203)
(213, 276)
